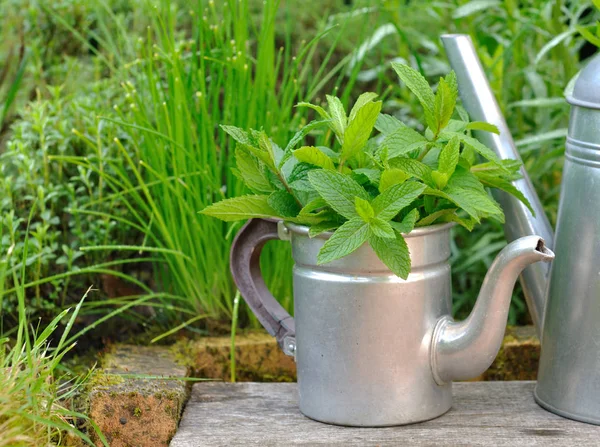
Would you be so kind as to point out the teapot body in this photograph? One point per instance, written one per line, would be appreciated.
(363, 335)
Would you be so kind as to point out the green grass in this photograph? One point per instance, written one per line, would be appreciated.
(36, 392)
(181, 69)
(179, 89)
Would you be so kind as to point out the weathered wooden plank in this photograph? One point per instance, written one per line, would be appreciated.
(266, 414)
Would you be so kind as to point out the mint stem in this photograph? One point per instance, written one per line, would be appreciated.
(287, 188)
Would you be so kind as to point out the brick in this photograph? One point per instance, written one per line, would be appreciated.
(519, 356)
(132, 411)
(258, 358)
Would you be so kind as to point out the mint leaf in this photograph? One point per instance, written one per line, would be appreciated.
(447, 161)
(483, 126)
(449, 156)
(266, 145)
(381, 228)
(284, 204)
(387, 124)
(476, 203)
(402, 141)
(367, 175)
(240, 208)
(394, 199)
(497, 182)
(313, 156)
(364, 209)
(509, 169)
(391, 177)
(463, 178)
(475, 145)
(420, 88)
(239, 135)
(464, 186)
(338, 190)
(440, 179)
(347, 238)
(429, 220)
(408, 223)
(251, 171)
(262, 155)
(457, 200)
(320, 110)
(360, 102)
(299, 137)
(452, 85)
(456, 126)
(414, 168)
(393, 253)
(358, 131)
(321, 228)
(445, 101)
(313, 205)
(313, 219)
(335, 156)
(299, 172)
(467, 223)
(275, 180)
(339, 121)
(303, 132)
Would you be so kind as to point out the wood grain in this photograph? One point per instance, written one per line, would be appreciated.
(266, 414)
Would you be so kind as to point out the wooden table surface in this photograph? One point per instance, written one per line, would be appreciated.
(266, 414)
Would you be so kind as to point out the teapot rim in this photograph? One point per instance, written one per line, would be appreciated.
(416, 232)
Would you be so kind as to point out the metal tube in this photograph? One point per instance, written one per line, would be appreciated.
(478, 99)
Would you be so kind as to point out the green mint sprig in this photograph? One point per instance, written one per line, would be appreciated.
(373, 189)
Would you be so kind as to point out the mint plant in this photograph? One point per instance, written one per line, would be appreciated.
(373, 189)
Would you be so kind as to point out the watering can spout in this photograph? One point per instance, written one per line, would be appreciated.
(465, 349)
(478, 99)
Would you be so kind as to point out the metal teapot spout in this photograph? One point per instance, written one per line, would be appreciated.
(463, 350)
(479, 101)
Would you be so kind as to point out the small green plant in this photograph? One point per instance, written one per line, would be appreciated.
(37, 165)
(36, 391)
(373, 189)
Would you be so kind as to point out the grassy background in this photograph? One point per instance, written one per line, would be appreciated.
(110, 121)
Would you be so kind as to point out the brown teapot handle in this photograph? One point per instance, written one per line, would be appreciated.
(245, 268)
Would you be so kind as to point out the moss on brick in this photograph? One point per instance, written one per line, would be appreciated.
(519, 356)
(258, 358)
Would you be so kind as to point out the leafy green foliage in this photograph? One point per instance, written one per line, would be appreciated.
(528, 68)
(347, 238)
(41, 164)
(174, 134)
(375, 189)
(249, 76)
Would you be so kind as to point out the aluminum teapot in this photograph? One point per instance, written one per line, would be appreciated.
(564, 299)
(372, 349)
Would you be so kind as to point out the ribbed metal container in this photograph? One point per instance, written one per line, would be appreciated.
(569, 372)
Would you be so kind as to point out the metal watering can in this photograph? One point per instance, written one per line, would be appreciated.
(564, 300)
(372, 349)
